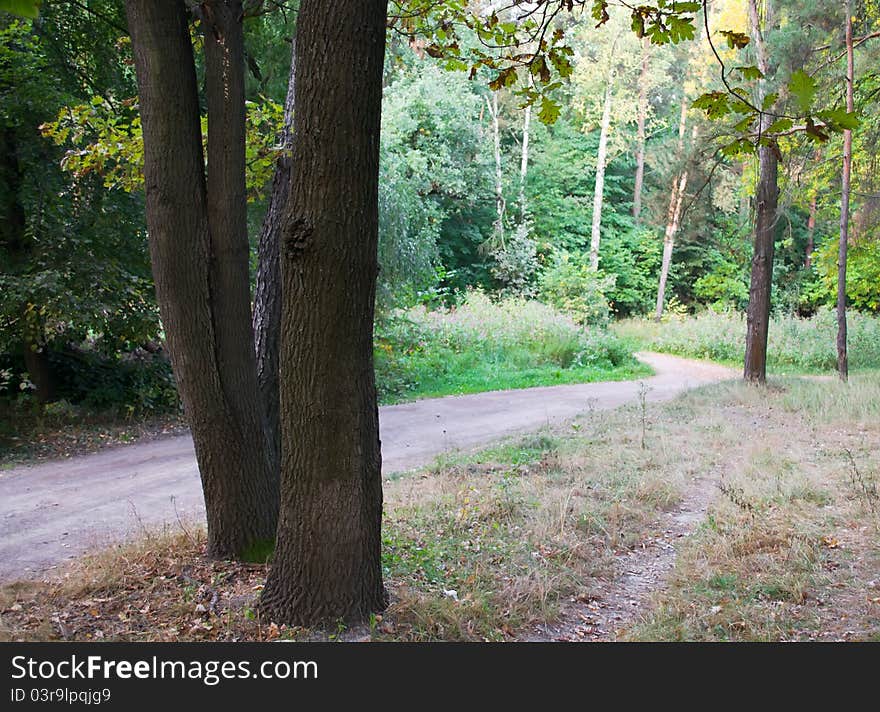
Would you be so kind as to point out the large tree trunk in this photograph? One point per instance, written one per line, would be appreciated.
(327, 563)
(200, 264)
(842, 357)
(758, 315)
(267, 297)
(641, 117)
(599, 189)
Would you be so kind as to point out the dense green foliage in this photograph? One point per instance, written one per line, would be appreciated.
(74, 267)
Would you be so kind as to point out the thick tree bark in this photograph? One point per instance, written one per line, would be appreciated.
(758, 315)
(599, 189)
(199, 263)
(641, 117)
(327, 563)
(842, 357)
(267, 297)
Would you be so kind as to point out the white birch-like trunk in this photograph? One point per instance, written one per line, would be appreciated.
(598, 193)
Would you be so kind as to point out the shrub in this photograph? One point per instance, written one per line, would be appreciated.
(571, 286)
(496, 341)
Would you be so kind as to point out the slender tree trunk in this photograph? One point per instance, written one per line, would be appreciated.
(524, 162)
(199, 263)
(499, 184)
(673, 215)
(842, 358)
(640, 132)
(599, 191)
(672, 221)
(267, 297)
(327, 563)
(811, 234)
(758, 315)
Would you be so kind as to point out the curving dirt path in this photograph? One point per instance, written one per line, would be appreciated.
(55, 511)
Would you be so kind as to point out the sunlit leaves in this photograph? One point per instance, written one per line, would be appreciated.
(23, 8)
(803, 88)
(549, 110)
(735, 40)
(104, 137)
(525, 38)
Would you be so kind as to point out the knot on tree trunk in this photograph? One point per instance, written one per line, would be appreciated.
(297, 237)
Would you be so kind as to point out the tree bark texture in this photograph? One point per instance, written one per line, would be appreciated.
(327, 562)
(766, 199)
(199, 262)
(267, 297)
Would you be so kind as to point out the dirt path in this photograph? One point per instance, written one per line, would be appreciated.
(623, 600)
(58, 510)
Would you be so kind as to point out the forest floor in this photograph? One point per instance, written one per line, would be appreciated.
(728, 513)
(56, 510)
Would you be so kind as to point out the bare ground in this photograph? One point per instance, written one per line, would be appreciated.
(56, 511)
(638, 573)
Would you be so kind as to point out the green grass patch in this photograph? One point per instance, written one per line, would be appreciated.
(795, 345)
(485, 345)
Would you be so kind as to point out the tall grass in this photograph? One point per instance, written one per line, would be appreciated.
(483, 345)
(798, 344)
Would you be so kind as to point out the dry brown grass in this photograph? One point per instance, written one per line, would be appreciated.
(486, 547)
(789, 550)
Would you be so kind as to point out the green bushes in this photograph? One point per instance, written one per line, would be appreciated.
(491, 345)
(794, 343)
(572, 287)
(135, 383)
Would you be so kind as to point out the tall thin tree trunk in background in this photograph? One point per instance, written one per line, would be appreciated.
(200, 261)
(524, 162)
(599, 190)
(499, 185)
(327, 562)
(811, 234)
(842, 359)
(767, 194)
(267, 296)
(673, 215)
(640, 132)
